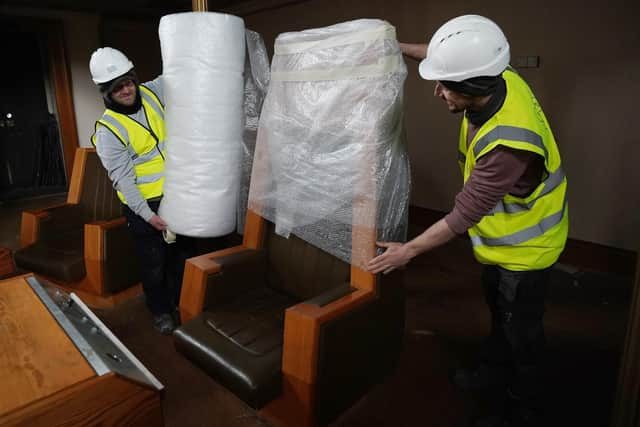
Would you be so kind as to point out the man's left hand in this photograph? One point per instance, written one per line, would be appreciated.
(396, 255)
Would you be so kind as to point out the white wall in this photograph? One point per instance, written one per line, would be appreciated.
(81, 38)
(587, 84)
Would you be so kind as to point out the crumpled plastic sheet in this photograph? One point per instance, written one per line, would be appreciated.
(331, 163)
(256, 82)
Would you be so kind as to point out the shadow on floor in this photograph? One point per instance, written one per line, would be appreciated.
(446, 320)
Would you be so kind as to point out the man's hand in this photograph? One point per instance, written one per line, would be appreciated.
(157, 223)
(395, 256)
(414, 50)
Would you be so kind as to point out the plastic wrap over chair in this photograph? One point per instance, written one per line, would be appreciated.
(289, 320)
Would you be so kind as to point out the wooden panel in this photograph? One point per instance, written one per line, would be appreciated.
(30, 227)
(77, 176)
(362, 279)
(30, 224)
(93, 256)
(294, 407)
(194, 281)
(302, 328)
(363, 234)
(61, 79)
(36, 356)
(254, 230)
(101, 401)
(199, 5)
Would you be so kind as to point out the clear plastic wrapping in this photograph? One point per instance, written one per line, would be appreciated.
(331, 161)
(256, 82)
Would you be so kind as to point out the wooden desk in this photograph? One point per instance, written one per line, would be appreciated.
(45, 380)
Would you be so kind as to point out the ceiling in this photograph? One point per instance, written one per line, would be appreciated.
(133, 8)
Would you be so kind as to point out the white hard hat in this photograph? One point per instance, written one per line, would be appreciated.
(465, 47)
(108, 63)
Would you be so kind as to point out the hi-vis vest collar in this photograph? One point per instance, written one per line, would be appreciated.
(146, 145)
(519, 233)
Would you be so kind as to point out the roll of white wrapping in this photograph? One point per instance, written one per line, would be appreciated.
(203, 56)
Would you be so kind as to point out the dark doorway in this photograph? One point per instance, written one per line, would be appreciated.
(31, 155)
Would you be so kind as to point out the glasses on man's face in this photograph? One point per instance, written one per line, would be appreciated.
(123, 84)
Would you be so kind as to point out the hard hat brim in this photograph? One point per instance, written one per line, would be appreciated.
(426, 71)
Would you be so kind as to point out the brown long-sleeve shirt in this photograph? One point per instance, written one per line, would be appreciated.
(503, 170)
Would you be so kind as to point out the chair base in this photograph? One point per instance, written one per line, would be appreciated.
(294, 408)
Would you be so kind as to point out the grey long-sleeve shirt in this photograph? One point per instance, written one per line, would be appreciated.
(117, 161)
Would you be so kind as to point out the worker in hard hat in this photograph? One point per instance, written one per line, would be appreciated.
(130, 141)
(513, 205)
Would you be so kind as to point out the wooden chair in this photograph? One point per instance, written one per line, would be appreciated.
(83, 245)
(290, 329)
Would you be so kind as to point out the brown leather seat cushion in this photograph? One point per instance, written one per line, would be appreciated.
(60, 258)
(241, 344)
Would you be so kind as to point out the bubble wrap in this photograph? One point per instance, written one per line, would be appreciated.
(203, 58)
(331, 164)
(256, 82)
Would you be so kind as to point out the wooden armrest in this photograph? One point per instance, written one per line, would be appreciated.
(94, 237)
(111, 223)
(31, 226)
(301, 332)
(47, 209)
(194, 282)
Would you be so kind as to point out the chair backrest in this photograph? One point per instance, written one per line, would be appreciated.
(300, 269)
(95, 193)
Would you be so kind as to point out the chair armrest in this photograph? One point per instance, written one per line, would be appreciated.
(302, 330)
(110, 255)
(331, 295)
(37, 224)
(218, 276)
(109, 223)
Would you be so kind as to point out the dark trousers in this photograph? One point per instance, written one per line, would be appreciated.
(161, 264)
(516, 342)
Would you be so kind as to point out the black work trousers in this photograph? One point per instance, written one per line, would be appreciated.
(161, 264)
(516, 342)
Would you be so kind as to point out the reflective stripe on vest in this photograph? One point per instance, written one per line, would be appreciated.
(153, 102)
(519, 233)
(147, 179)
(551, 183)
(523, 235)
(511, 133)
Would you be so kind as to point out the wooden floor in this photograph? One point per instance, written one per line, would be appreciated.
(446, 320)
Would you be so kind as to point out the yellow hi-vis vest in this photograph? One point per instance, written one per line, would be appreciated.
(528, 233)
(146, 146)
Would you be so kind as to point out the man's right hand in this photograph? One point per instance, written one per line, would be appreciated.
(157, 223)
